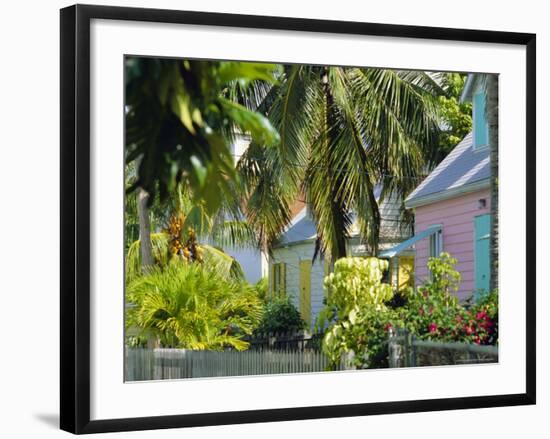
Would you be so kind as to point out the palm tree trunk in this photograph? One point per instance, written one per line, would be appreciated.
(492, 118)
(374, 238)
(146, 247)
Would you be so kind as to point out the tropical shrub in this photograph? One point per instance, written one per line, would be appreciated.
(360, 311)
(356, 300)
(212, 258)
(482, 319)
(433, 312)
(189, 306)
(280, 316)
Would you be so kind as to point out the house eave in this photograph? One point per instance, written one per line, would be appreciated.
(449, 193)
(293, 243)
(353, 239)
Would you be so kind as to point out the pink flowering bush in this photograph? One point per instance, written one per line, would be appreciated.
(433, 312)
(362, 314)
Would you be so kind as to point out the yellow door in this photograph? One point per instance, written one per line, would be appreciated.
(305, 290)
(406, 273)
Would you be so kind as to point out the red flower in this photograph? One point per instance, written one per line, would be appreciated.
(468, 330)
(481, 315)
(432, 327)
(477, 340)
(388, 326)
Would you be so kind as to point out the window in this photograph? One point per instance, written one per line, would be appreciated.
(481, 127)
(436, 244)
(278, 284)
(386, 276)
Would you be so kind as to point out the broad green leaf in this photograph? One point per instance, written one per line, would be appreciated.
(258, 126)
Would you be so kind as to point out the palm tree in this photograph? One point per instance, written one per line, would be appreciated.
(491, 86)
(188, 228)
(144, 228)
(343, 131)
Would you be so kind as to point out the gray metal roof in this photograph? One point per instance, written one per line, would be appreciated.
(301, 228)
(464, 167)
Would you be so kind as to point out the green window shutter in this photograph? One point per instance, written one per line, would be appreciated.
(481, 127)
(272, 279)
(482, 269)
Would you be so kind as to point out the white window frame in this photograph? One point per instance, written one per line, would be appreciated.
(436, 243)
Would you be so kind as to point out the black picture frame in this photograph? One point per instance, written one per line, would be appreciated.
(75, 217)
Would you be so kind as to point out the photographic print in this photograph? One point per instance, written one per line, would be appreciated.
(339, 213)
(295, 218)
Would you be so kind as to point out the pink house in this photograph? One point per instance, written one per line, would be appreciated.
(452, 206)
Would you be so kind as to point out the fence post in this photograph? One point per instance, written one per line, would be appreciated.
(406, 349)
(392, 349)
(412, 344)
(472, 357)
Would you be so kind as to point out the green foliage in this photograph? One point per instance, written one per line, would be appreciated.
(280, 316)
(482, 319)
(161, 255)
(178, 123)
(188, 306)
(356, 301)
(433, 311)
(444, 280)
(358, 308)
(456, 116)
(355, 283)
(213, 258)
(262, 288)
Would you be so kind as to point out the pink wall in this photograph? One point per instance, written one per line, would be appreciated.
(457, 217)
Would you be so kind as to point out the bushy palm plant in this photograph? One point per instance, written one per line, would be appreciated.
(187, 228)
(213, 259)
(189, 306)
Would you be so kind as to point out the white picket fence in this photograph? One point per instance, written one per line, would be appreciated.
(158, 364)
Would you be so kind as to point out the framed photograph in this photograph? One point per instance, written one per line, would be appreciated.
(274, 218)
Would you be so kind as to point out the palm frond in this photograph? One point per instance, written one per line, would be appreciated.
(216, 260)
(159, 243)
(233, 233)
